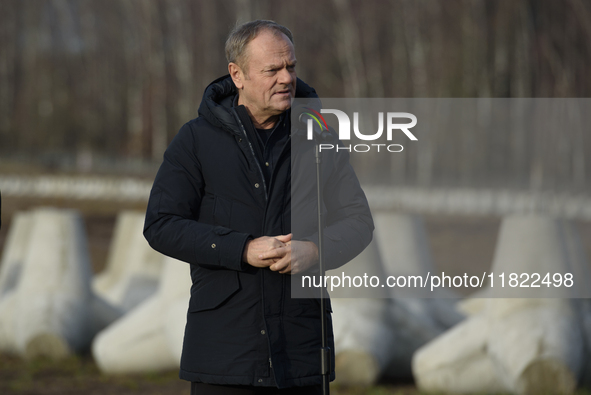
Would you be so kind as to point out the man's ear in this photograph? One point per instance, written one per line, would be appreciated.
(236, 74)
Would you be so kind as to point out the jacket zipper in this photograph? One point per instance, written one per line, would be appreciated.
(253, 155)
(266, 196)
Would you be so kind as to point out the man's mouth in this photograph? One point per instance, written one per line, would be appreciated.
(283, 92)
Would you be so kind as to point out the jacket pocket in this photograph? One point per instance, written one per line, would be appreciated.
(213, 289)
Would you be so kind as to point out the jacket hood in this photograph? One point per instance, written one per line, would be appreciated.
(216, 105)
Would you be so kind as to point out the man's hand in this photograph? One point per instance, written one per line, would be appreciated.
(254, 248)
(294, 257)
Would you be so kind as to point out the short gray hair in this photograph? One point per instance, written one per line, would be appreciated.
(241, 35)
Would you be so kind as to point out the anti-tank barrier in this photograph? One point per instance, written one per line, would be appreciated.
(462, 201)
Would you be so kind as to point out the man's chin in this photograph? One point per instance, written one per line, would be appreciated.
(283, 104)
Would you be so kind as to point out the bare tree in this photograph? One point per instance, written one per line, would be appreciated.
(116, 79)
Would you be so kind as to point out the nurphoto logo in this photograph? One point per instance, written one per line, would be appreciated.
(345, 129)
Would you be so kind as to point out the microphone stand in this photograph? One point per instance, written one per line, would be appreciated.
(325, 350)
(325, 362)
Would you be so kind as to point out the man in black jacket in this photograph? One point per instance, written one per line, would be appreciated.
(222, 201)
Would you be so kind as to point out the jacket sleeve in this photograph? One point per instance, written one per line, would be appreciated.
(172, 227)
(348, 224)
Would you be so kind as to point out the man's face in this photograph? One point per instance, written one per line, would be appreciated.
(268, 80)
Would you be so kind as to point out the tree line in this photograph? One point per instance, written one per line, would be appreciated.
(117, 78)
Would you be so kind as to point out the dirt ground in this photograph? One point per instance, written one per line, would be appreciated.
(458, 244)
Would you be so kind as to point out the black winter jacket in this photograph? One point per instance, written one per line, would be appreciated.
(209, 197)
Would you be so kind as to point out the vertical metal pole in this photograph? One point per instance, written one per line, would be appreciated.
(325, 350)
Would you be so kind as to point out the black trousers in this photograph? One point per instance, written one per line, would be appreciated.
(210, 389)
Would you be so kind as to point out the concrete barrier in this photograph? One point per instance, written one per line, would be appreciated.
(535, 345)
(530, 345)
(15, 248)
(540, 346)
(404, 246)
(377, 330)
(133, 267)
(53, 294)
(46, 304)
(458, 361)
(417, 315)
(362, 331)
(148, 337)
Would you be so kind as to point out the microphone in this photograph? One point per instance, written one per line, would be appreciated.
(316, 126)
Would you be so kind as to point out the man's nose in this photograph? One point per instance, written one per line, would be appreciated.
(285, 77)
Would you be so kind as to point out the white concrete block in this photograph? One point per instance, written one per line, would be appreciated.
(530, 345)
(46, 305)
(363, 339)
(535, 344)
(542, 338)
(535, 244)
(360, 323)
(404, 245)
(135, 343)
(457, 361)
(416, 314)
(149, 337)
(15, 248)
(405, 251)
(53, 293)
(133, 267)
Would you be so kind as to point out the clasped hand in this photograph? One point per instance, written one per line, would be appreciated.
(281, 254)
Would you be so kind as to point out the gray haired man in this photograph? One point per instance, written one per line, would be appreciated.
(221, 201)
